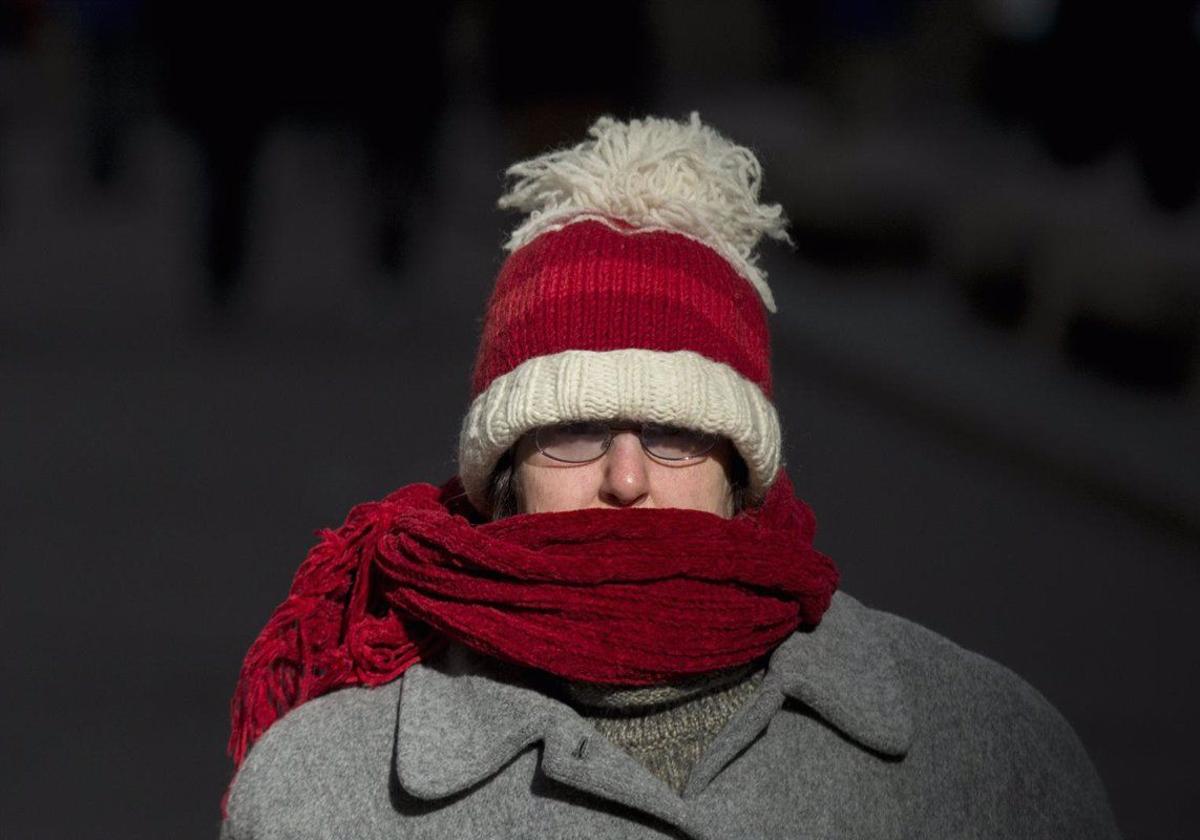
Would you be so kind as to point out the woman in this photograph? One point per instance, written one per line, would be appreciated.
(612, 621)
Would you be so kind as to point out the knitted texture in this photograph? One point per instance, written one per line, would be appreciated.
(667, 728)
(654, 174)
(681, 388)
(589, 287)
(639, 242)
(597, 595)
(602, 696)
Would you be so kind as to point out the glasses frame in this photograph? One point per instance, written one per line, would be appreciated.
(612, 428)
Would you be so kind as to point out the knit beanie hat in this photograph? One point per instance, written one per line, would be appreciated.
(631, 291)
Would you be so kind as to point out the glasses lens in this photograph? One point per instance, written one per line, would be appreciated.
(674, 444)
(572, 442)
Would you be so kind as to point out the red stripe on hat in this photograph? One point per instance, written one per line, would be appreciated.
(589, 287)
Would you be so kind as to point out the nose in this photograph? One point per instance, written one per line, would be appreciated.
(626, 482)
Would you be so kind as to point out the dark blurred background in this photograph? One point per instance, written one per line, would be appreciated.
(244, 253)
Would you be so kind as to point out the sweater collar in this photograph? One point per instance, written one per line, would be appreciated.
(464, 716)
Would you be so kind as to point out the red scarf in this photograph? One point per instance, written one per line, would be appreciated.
(628, 596)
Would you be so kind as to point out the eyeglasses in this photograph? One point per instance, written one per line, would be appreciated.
(577, 443)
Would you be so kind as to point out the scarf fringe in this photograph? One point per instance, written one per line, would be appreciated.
(404, 575)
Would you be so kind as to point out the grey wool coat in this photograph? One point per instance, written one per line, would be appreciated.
(869, 726)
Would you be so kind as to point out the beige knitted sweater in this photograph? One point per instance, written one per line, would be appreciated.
(667, 727)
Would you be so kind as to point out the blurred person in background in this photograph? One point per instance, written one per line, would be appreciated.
(612, 622)
(309, 66)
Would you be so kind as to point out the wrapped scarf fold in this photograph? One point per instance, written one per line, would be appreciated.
(627, 596)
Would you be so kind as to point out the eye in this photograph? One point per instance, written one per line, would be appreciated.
(677, 444)
(573, 442)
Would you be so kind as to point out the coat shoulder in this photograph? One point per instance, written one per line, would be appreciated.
(944, 677)
(980, 717)
(942, 669)
(332, 749)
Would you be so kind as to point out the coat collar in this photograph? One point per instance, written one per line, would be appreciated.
(844, 670)
(464, 716)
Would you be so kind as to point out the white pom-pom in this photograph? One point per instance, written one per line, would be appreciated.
(655, 174)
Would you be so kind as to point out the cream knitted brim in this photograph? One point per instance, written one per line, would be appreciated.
(680, 388)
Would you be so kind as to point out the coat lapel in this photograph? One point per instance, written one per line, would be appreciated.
(462, 718)
(844, 671)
